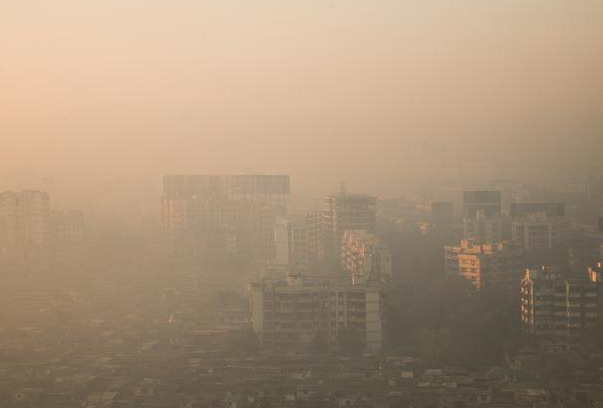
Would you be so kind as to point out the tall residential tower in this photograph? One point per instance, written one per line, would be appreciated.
(345, 212)
(232, 215)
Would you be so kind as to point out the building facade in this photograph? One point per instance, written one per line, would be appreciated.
(228, 215)
(482, 216)
(539, 226)
(25, 231)
(557, 308)
(345, 212)
(297, 314)
(305, 242)
(486, 201)
(485, 265)
(365, 259)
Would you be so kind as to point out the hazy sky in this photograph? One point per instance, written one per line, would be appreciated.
(324, 90)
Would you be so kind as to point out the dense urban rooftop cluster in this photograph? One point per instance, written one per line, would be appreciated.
(489, 299)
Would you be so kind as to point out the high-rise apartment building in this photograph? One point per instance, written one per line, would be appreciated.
(25, 231)
(488, 202)
(539, 226)
(224, 214)
(486, 265)
(297, 313)
(345, 212)
(482, 216)
(365, 258)
(483, 229)
(305, 242)
(557, 308)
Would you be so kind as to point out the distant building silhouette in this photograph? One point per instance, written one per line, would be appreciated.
(482, 216)
(223, 215)
(539, 226)
(345, 212)
(25, 231)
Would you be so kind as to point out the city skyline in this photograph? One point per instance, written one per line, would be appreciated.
(285, 204)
